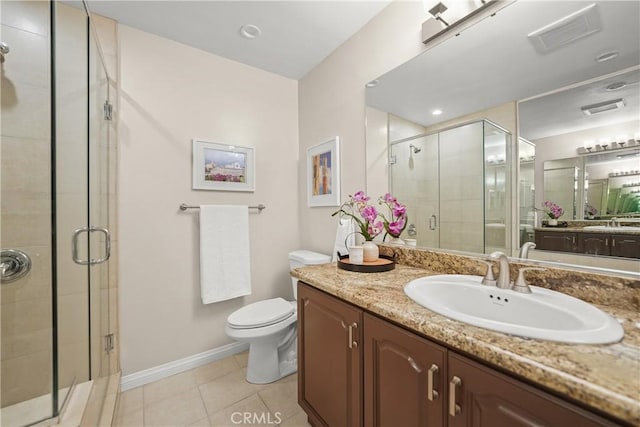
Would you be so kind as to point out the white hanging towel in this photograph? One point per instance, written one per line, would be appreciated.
(225, 269)
(345, 232)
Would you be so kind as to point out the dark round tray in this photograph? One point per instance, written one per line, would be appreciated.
(384, 263)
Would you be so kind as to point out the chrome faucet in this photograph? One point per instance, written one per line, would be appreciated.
(504, 281)
(524, 249)
(521, 285)
(614, 222)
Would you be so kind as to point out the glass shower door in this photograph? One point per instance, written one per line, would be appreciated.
(26, 375)
(81, 200)
(101, 197)
(461, 219)
(414, 181)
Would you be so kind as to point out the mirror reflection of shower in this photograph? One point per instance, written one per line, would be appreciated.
(413, 150)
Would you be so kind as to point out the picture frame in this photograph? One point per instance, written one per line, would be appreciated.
(323, 174)
(222, 167)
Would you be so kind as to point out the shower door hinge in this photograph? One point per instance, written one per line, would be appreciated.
(108, 111)
(392, 160)
(108, 343)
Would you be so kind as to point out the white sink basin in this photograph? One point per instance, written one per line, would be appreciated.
(605, 228)
(543, 314)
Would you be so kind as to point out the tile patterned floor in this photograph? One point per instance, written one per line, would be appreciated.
(213, 395)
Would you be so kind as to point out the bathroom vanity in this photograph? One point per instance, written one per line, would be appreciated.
(368, 355)
(614, 242)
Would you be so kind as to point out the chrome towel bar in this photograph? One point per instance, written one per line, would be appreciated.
(184, 207)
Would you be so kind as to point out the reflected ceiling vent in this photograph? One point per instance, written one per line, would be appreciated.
(615, 86)
(601, 107)
(566, 30)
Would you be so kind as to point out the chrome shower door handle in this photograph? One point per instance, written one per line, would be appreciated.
(74, 242)
(433, 222)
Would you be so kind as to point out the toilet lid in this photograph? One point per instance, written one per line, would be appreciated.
(261, 313)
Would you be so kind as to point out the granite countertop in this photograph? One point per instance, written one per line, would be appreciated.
(604, 377)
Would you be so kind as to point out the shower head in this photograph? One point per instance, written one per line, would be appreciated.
(415, 149)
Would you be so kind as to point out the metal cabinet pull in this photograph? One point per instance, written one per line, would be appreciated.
(431, 393)
(74, 241)
(352, 343)
(454, 408)
(433, 222)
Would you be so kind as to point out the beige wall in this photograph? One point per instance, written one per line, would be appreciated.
(332, 102)
(171, 93)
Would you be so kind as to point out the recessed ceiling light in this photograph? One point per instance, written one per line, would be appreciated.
(436, 112)
(250, 31)
(607, 56)
(615, 86)
(373, 83)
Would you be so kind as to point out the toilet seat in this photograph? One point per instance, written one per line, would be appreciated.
(260, 314)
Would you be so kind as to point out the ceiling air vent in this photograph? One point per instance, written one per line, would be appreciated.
(573, 27)
(601, 107)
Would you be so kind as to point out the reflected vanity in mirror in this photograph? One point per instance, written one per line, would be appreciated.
(563, 104)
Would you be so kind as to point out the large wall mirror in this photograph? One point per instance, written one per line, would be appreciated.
(470, 131)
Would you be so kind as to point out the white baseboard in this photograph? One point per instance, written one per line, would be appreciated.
(162, 371)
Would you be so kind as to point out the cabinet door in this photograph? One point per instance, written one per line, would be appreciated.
(625, 245)
(556, 241)
(404, 377)
(487, 398)
(329, 359)
(593, 244)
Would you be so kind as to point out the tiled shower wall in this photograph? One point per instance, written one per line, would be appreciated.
(25, 195)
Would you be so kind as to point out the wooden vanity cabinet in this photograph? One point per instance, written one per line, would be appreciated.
(329, 359)
(625, 245)
(486, 398)
(404, 377)
(594, 244)
(559, 241)
(605, 244)
(378, 374)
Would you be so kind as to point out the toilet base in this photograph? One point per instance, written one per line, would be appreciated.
(269, 363)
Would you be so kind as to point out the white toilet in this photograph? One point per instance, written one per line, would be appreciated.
(269, 327)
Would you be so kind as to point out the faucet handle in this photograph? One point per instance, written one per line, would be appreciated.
(521, 284)
(489, 279)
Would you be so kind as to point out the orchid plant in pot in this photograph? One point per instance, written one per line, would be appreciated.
(553, 211)
(366, 218)
(371, 222)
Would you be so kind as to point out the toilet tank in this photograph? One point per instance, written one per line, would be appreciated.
(303, 258)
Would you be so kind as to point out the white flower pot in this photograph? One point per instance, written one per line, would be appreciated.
(371, 251)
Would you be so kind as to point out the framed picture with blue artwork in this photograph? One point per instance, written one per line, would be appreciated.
(323, 174)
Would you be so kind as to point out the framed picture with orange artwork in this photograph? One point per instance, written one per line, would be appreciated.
(323, 174)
